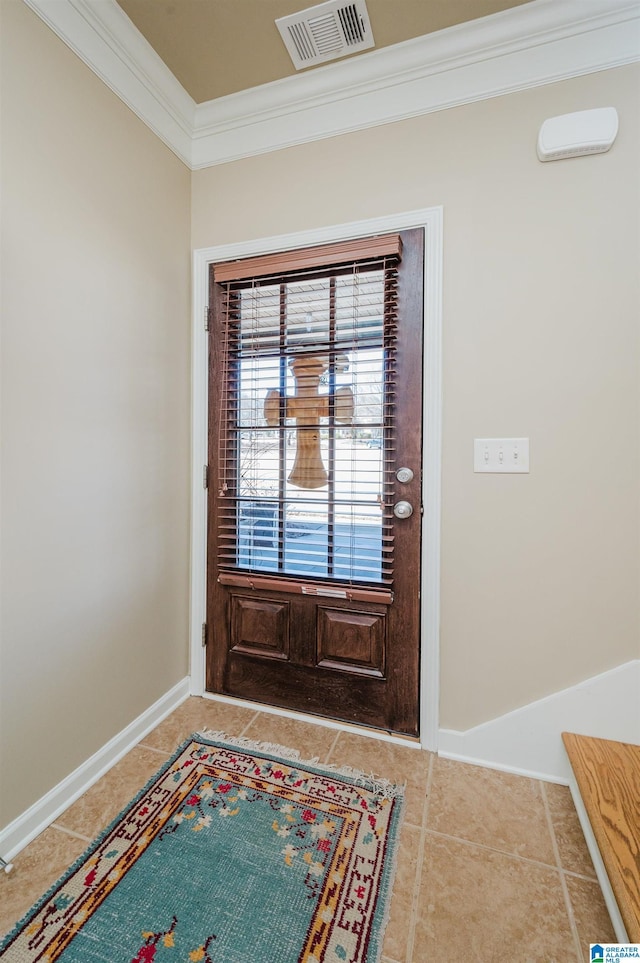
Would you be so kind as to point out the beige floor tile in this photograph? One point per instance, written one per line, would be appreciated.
(397, 932)
(35, 870)
(195, 714)
(574, 855)
(390, 761)
(482, 894)
(476, 904)
(590, 913)
(495, 809)
(310, 740)
(93, 811)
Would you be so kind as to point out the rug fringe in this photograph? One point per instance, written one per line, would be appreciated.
(371, 782)
(241, 742)
(386, 892)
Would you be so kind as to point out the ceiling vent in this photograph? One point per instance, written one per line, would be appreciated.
(326, 32)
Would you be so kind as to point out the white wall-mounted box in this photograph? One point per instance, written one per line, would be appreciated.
(583, 132)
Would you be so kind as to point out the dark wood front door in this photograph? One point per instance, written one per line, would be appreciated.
(315, 405)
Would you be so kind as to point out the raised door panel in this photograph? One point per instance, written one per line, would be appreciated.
(260, 627)
(351, 641)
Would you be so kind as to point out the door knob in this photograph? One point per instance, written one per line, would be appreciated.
(403, 509)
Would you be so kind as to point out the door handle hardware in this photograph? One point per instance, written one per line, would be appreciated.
(404, 475)
(403, 509)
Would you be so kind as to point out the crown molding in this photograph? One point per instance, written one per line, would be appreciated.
(103, 37)
(540, 42)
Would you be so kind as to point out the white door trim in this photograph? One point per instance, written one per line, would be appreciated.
(431, 220)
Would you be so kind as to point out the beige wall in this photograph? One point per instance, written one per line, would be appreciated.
(95, 413)
(540, 573)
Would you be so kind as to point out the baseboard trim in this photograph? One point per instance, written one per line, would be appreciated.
(525, 742)
(46, 810)
(598, 864)
(488, 763)
(528, 740)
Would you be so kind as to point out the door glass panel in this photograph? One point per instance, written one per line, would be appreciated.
(310, 428)
(258, 375)
(308, 310)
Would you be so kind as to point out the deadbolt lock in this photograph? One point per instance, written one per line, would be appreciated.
(404, 475)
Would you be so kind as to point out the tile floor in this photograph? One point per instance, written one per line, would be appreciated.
(492, 867)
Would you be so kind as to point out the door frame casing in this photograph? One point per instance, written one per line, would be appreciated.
(431, 220)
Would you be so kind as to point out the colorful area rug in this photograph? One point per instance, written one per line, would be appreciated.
(233, 853)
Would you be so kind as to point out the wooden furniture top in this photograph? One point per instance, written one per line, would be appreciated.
(608, 777)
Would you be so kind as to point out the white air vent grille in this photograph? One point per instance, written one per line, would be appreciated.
(326, 32)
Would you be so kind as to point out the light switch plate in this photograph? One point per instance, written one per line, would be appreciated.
(501, 455)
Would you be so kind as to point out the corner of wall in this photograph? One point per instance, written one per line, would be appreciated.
(528, 740)
(21, 831)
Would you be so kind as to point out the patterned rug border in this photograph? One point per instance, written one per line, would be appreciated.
(370, 782)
